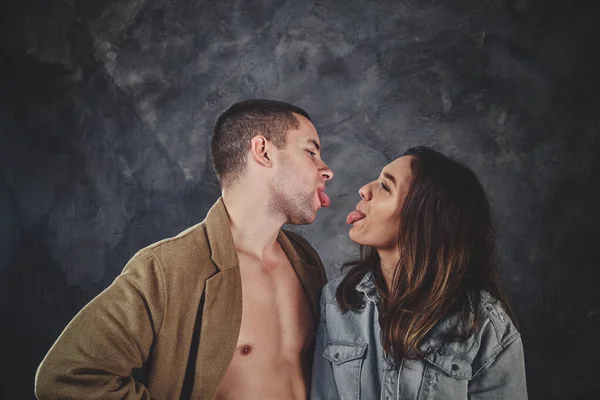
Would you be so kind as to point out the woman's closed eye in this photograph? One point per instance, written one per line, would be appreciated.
(312, 154)
(385, 187)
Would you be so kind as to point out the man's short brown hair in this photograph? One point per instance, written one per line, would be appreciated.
(242, 121)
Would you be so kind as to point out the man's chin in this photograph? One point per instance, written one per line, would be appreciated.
(303, 219)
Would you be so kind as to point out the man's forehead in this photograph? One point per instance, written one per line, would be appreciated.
(306, 134)
(314, 142)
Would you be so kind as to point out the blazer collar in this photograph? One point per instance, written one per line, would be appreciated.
(221, 243)
(222, 249)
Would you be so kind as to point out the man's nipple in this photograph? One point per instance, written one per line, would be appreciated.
(245, 350)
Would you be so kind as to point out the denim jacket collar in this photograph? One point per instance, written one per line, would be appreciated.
(367, 287)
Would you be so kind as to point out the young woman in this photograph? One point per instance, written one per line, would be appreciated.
(421, 314)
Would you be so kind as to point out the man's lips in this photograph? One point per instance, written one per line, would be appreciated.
(323, 198)
(355, 215)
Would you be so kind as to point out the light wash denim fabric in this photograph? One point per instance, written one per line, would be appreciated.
(349, 362)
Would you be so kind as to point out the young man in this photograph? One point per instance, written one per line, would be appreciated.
(227, 309)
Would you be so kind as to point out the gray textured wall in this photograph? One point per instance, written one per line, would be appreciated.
(106, 109)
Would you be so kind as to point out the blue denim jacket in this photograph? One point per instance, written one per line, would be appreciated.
(349, 361)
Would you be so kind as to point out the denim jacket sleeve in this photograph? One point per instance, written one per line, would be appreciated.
(323, 386)
(503, 377)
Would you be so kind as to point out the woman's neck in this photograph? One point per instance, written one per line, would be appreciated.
(388, 264)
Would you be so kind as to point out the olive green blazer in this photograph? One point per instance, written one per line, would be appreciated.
(167, 327)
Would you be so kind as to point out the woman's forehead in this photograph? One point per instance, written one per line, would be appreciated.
(399, 168)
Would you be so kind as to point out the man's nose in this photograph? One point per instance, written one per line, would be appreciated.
(326, 172)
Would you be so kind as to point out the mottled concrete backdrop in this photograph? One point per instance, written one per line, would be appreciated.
(106, 109)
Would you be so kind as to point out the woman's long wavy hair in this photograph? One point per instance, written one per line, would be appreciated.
(447, 250)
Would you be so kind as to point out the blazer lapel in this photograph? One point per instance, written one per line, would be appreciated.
(310, 276)
(222, 308)
(221, 321)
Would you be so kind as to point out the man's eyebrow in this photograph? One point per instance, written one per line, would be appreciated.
(390, 177)
(314, 143)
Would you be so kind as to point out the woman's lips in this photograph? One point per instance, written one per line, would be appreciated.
(354, 216)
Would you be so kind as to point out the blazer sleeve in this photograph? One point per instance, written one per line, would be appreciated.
(503, 377)
(97, 353)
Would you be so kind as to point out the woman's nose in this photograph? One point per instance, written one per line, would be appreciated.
(364, 192)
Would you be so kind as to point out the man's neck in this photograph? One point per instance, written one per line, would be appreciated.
(254, 229)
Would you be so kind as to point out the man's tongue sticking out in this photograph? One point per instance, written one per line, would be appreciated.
(323, 198)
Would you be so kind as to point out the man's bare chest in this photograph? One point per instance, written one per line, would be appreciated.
(276, 315)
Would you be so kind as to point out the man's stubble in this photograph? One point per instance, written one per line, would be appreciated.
(292, 197)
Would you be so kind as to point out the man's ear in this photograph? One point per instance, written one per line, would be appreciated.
(260, 148)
